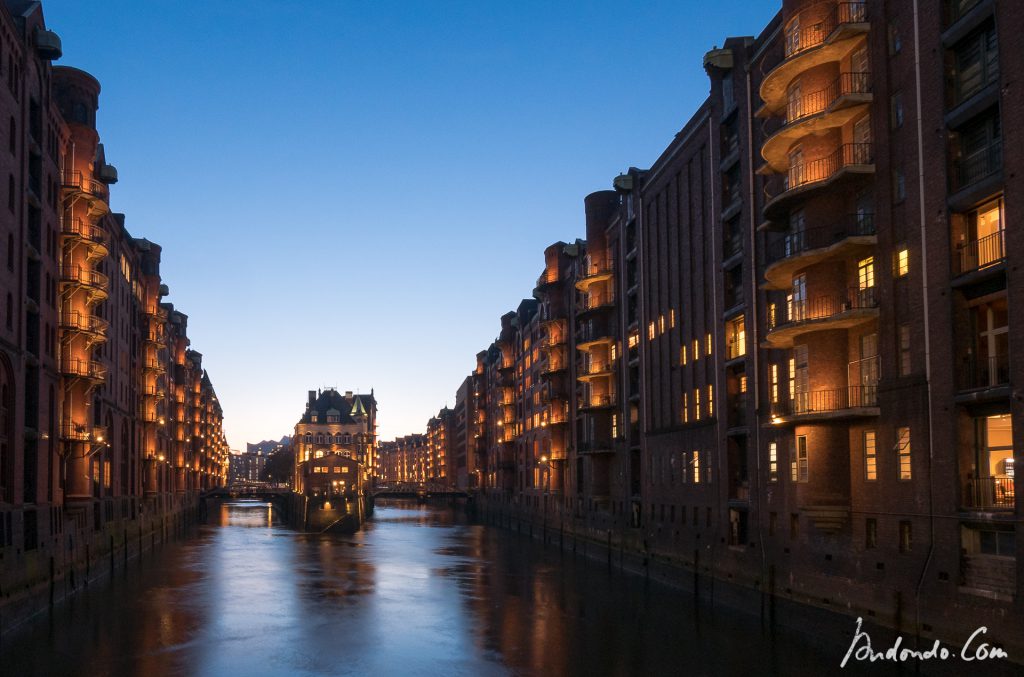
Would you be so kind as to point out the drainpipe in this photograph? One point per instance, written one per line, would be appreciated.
(717, 322)
(754, 382)
(927, 325)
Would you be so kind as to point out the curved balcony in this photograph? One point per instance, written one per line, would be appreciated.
(592, 304)
(77, 230)
(77, 185)
(155, 338)
(595, 370)
(809, 46)
(93, 326)
(592, 275)
(842, 311)
(849, 159)
(75, 432)
(798, 250)
(598, 402)
(833, 403)
(547, 281)
(85, 369)
(555, 364)
(154, 366)
(94, 282)
(594, 336)
(834, 106)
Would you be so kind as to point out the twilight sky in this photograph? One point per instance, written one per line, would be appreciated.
(351, 193)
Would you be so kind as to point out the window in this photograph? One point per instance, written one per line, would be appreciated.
(773, 461)
(870, 457)
(983, 242)
(711, 400)
(906, 536)
(901, 262)
(870, 533)
(899, 185)
(866, 273)
(975, 63)
(977, 152)
(735, 335)
(686, 410)
(895, 42)
(696, 404)
(904, 349)
(696, 467)
(774, 378)
(903, 451)
(801, 458)
(682, 355)
(896, 110)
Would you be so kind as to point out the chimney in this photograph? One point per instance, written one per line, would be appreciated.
(348, 393)
(312, 397)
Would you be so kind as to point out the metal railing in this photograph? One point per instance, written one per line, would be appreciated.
(83, 368)
(588, 302)
(852, 225)
(599, 401)
(80, 182)
(79, 321)
(78, 432)
(825, 168)
(84, 230)
(990, 492)
(804, 38)
(978, 165)
(821, 308)
(826, 401)
(83, 277)
(980, 253)
(816, 102)
(596, 367)
(590, 446)
(985, 372)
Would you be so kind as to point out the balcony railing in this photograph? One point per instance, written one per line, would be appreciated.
(846, 84)
(592, 446)
(825, 168)
(76, 432)
(598, 401)
(853, 225)
(78, 181)
(590, 302)
(84, 230)
(596, 367)
(990, 493)
(977, 166)
(822, 308)
(806, 37)
(80, 368)
(985, 372)
(980, 253)
(79, 321)
(80, 276)
(828, 401)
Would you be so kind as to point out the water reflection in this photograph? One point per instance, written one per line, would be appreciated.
(419, 592)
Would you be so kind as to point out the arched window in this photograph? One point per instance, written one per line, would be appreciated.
(320, 438)
(348, 438)
(338, 438)
(309, 438)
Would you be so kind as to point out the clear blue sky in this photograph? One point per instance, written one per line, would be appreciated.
(352, 193)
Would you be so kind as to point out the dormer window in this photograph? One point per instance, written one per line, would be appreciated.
(312, 418)
(332, 418)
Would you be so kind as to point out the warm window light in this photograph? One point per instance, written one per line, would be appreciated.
(902, 263)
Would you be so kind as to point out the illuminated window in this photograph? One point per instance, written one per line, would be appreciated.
(615, 351)
(866, 273)
(773, 462)
(802, 469)
(903, 448)
(319, 453)
(344, 470)
(615, 425)
(650, 331)
(771, 315)
(774, 379)
(696, 467)
(870, 459)
(337, 469)
(686, 410)
(901, 263)
(743, 383)
(696, 350)
(708, 351)
(634, 340)
(711, 400)
(682, 355)
(672, 318)
(696, 404)
(736, 338)
(661, 323)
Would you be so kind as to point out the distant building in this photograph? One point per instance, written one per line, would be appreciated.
(248, 466)
(334, 426)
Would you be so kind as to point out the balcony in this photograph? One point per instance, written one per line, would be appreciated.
(798, 250)
(989, 493)
(85, 369)
(155, 338)
(845, 402)
(596, 447)
(594, 303)
(597, 402)
(978, 254)
(593, 274)
(977, 166)
(556, 363)
(76, 184)
(842, 311)
(93, 326)
(77, 230)
(807, 46)
(849, 159)
(593, 335)
(980, 373)
(834, 106)
(594, 369)
(547, 280)
(75, 432)
(154, 366)
(93, 282)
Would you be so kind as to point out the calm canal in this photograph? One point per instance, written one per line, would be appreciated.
(418, 592)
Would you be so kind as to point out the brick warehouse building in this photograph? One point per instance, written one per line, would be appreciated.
(108, 422)
(784, 350)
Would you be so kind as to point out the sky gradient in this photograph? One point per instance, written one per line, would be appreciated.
(351, 194)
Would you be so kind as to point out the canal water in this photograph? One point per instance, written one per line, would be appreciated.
(420, 591)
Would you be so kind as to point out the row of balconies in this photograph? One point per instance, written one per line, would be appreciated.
(840, 311)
